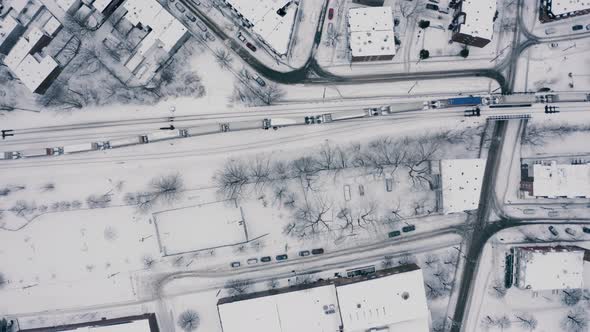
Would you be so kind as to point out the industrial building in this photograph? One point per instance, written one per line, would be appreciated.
(272, 20)
(548, 268)
(559, 9)
(552, 180)
(371, 36)
(140, 323)
(390, 300)
(461, 181)
(10, 31)
(35, 70)
(473, 22)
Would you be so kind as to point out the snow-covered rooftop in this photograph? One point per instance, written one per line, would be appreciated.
(479, 18)
(7, 25)
(555, 180)
(461, 183)
(545, 268)
(308, 310)
(559, 7)
(66, 5)
(397, 300)
(371, 31)
(101, 5)
(135, 326)
(262, 14)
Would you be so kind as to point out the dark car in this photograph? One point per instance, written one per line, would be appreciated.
(179, 7)
(265, 259)
(318, 251)
(304, 253)
(235, 264)
(577, 27)
(408, 228)
(251, 47)
(330, 13)
(281, 257)
(394, 233)
(586, 230)
(309, 119)
(431, 7)
(553, 231)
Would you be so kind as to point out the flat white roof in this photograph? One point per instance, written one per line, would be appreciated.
(66, 4)
(32, 72)
(371, 31)
(559, 7)
(561, 180)
(22, 48)
(17, 5)
(101, 5)
(310, 310)
(479, 18)
(273, 28)
(51, 26)
(461, 183)
(395, 300)
(545, 268)
(7, 25)
(135, 326)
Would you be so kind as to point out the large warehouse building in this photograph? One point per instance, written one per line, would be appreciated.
(390, 300)
(553, 180)
(547, 268)
(371, 34)
(559, 9)
(473, 23)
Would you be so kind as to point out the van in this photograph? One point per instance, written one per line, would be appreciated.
(550, 31)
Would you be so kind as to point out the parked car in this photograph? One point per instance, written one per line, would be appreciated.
(235, 264)
(408, 228)
(265, 259)
(577, 27)
(209, 36)
(553, 45)
(202, 26)
(317, 251)
(431, 7)
(550, 31)
(251, 47)
(553, 230)
(259, 80)
(241, 37)
(570, 231)
(586, 229)
(180, 7)
(281, 257)
(330, 13)
(587, 26)
(191, 17)
(304, 253)
(252, 261)
(394, 233)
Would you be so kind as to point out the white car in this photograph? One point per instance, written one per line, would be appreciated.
(553, 45)
(241, 38)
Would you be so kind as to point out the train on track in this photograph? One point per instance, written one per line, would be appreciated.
(493, 101)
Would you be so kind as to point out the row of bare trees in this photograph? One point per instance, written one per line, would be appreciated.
(538, 135)
(165, 189)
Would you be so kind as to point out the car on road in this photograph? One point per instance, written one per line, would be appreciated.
(209, 36)
(191, 17)
(431, 7)
(587, 26)
(586, 229)
(330, 13)
(570, 231)
(553, 230)
(281, 257)
(394, 233)
(241, 37)
(304, 253)
(550, 31)
(577, 27)
(252, 261)
(259, 80)
(553, 213)
(409, 228)
(180, 7)
(202, 26)
(251, 47)
(317, 251)
(265, 259)
(235, 264)
(553, 45)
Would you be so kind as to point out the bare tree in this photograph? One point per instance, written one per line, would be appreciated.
(272, 93)
(387, 262)
(148, 262)
(273, 284)
(189, 320)
(407, 259)
(98, 201)
(497, 289)
(527, 321)
(260, 171)
(238, 287)
(385, 153)
(168, 188)
(571, 297)
(503, 322)
(310, 219)
(231, 181)
(576, 320)
(3, 280)
(326, 157)
(223, 58)
(306, 279)
(22, 208)
(431, 260)
(421, 152)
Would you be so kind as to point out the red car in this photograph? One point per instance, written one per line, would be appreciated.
(251, 47)
(330, 13)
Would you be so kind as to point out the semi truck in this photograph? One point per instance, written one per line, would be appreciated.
(9, 155)
(121, 142)
(40, 152)
(164, 135)
(276, 123)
